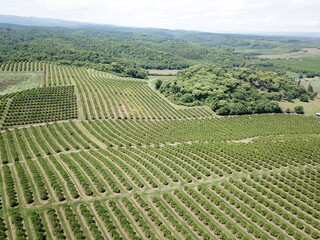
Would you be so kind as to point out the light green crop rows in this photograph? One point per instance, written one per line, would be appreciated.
(164, 173)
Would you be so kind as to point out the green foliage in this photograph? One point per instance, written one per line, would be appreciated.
(10, 191)
(299, 109)
(207, 129)
(233, 91)
(304, 97)
(149, 170)
(13, 81)
(308, 66)
(158, 84)
(40, 105)
(196, 189)
(90, 49)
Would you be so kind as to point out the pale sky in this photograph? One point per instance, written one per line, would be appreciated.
(203, 15)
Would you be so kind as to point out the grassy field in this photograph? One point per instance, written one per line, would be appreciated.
(310, 108)
(305, 52)
(131, 165)
(163, 72)
(293, 75)
(258, 52)
(298, 65)
(154, 78)
(11, 82)
(315, 83)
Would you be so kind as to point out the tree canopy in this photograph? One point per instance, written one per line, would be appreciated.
(231, 90)
(132, 52)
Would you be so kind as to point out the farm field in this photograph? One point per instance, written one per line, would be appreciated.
(14, 82)
(298, 65)
(310, 108)
(305, 52)
(315, 83)
(90, 155)
(163, 72)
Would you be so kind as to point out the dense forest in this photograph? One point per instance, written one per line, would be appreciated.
(121, 55)
(232, 90)
(131, 51)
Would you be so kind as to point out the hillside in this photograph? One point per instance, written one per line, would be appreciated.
(91, 148)
(98, 45)
(87, 48)
(91, 155)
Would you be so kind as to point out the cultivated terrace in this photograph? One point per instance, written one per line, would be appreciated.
(91, 155)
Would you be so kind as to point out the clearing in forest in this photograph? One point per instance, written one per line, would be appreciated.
(305, 52)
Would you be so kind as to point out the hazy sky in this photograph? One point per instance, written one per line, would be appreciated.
(203, 15)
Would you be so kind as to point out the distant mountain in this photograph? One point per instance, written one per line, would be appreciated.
(203, 38)
(291, 34)
(40, 22)
(49, 22)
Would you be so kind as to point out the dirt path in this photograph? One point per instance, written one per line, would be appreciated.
(134, 224)
(206, 212)
(179, 218)
(35, 142)
(150, 223)
(134, 170)
(199, 222)
(117, 222)
(61, 180)
(257, 213)
(5, 202)
(153, 191)
(48, 224)
(89, 179)
(156, 179)
(47, 182)
(74, 178)
(8, 150)
(99, 176)
(275, 203)
(12, 228)
(30, 229)
(42, 82)
(83, 223)
(35, 190)
(21, 199)
(62, 138)
(89, 135)
(121, 186)
(79, 105)
(66, 224)
(165, 221)
(6, 110)
(100, 222)
(152, 119)
(27, 144)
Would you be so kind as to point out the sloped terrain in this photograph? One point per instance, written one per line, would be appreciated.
(130, 165)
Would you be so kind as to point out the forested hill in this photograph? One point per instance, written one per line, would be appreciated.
(128, 51)
(123, 53)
